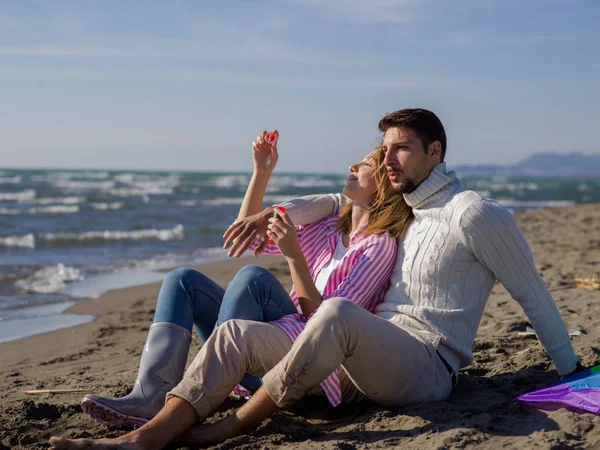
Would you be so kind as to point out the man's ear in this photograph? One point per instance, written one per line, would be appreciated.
(435, 150)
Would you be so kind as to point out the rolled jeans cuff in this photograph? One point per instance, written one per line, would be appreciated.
(195, 396)
(275, 382)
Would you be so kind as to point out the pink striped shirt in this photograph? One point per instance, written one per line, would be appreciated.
(362, 276)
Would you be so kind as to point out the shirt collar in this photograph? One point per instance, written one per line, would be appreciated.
(431, 189)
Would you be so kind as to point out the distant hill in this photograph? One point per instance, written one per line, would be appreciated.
(541, 165)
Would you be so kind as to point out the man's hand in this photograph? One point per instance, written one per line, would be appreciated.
(242, 233)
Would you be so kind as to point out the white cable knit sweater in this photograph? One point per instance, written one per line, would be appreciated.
(456, 247)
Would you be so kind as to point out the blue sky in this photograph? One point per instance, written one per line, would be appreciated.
(189, 84)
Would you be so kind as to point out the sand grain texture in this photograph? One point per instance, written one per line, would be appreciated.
(479, 414)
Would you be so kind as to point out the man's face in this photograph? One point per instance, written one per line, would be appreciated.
(405, 158)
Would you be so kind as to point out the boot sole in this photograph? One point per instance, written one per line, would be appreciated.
(110, 417)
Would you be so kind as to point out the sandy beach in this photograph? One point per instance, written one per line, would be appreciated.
(103, 356)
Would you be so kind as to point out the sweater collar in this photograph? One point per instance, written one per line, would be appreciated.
(431, 189)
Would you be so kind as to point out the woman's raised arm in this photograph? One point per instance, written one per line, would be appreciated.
(264, 151)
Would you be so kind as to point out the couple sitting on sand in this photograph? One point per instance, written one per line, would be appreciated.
(368, 316)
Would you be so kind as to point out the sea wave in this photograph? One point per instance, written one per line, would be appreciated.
(11, 180)
(220, 201)
(289, 182)
(11, 211)
(139, 192)
(228, 181)
(57, 200)
(54, 209)
(107, 206)
(499, 184)
(24, 241)
(49, 280)
(71, 185)
(27, 194)
(169, 234)
(66, 176)
(532, 204)
(32, 241)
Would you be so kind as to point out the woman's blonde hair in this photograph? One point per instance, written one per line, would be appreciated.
(388, 212)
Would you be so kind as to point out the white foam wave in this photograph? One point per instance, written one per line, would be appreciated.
(187, 202)
(23, 196)
(49, 280)
(229, 181)
(499, 184)
(302, 181)
(143, 185)
(10, 180)
(136, 192)
(220, 201)
(71, 185)
(25, 241)
(57, 200)
(278, 198)
(54, 209)
(168, 234)
(66, 176)
(11, 211)
(92, 175)
(108, 206)
(531, 204)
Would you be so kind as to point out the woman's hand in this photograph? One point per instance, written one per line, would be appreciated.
(283, 232)
(265, 154)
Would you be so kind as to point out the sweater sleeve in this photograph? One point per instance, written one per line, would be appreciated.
(491, 233)
(313, 208)
(370, 272)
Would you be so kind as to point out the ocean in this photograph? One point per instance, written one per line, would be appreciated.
(67, 235)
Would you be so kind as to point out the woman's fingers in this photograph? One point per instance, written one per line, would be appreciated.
(286, 219)
(276, 225)
(274, 236)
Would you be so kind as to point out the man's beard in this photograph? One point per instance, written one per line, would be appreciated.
(405, 188)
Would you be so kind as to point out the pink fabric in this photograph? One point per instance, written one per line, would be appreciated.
(362, 276)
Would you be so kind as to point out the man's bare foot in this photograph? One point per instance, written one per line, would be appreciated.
(93, 444)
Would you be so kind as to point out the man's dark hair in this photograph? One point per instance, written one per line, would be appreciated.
(425, 124)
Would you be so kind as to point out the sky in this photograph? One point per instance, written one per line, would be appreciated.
(187, 85)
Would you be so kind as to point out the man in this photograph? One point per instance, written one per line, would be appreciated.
(458, 245)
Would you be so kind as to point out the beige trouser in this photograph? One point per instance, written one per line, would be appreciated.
(381, 360)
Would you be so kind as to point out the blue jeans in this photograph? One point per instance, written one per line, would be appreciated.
(189, 298)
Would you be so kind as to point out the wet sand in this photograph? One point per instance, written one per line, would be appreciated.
(103, 356)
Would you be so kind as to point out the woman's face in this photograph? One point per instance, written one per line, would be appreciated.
(361, 185)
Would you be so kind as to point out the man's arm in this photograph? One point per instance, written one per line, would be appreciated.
(302, 211)
(312, 208)
(491, 233)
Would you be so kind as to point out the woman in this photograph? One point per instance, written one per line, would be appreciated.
(351, 256)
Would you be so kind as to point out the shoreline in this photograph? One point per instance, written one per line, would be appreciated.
(103, 356)
(98, 307)
(54, 315)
